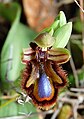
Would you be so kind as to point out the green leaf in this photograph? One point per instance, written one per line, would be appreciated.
(8, 110)
(27, 108)
(14, 109)
(78, 43)
(19, 37)
(62, 35)
(76, 51)
(80, 77)
(10, 12)
(78, 25)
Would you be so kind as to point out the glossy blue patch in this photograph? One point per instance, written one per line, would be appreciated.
(44, 87)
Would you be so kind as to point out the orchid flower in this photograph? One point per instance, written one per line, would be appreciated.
(43, 76)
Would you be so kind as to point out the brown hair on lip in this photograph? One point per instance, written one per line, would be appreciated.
(25, 75)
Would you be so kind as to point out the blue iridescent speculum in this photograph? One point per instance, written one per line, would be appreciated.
(44, 87)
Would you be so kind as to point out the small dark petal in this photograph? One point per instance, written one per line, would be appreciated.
(33, 45)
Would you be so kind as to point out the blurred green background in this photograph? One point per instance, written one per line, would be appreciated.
(20, 22)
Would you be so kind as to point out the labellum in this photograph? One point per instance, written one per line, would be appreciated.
(43, 75)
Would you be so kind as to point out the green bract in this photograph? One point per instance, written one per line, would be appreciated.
(62, 35)
(62, 18)
(59, 21)
(59, 30)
